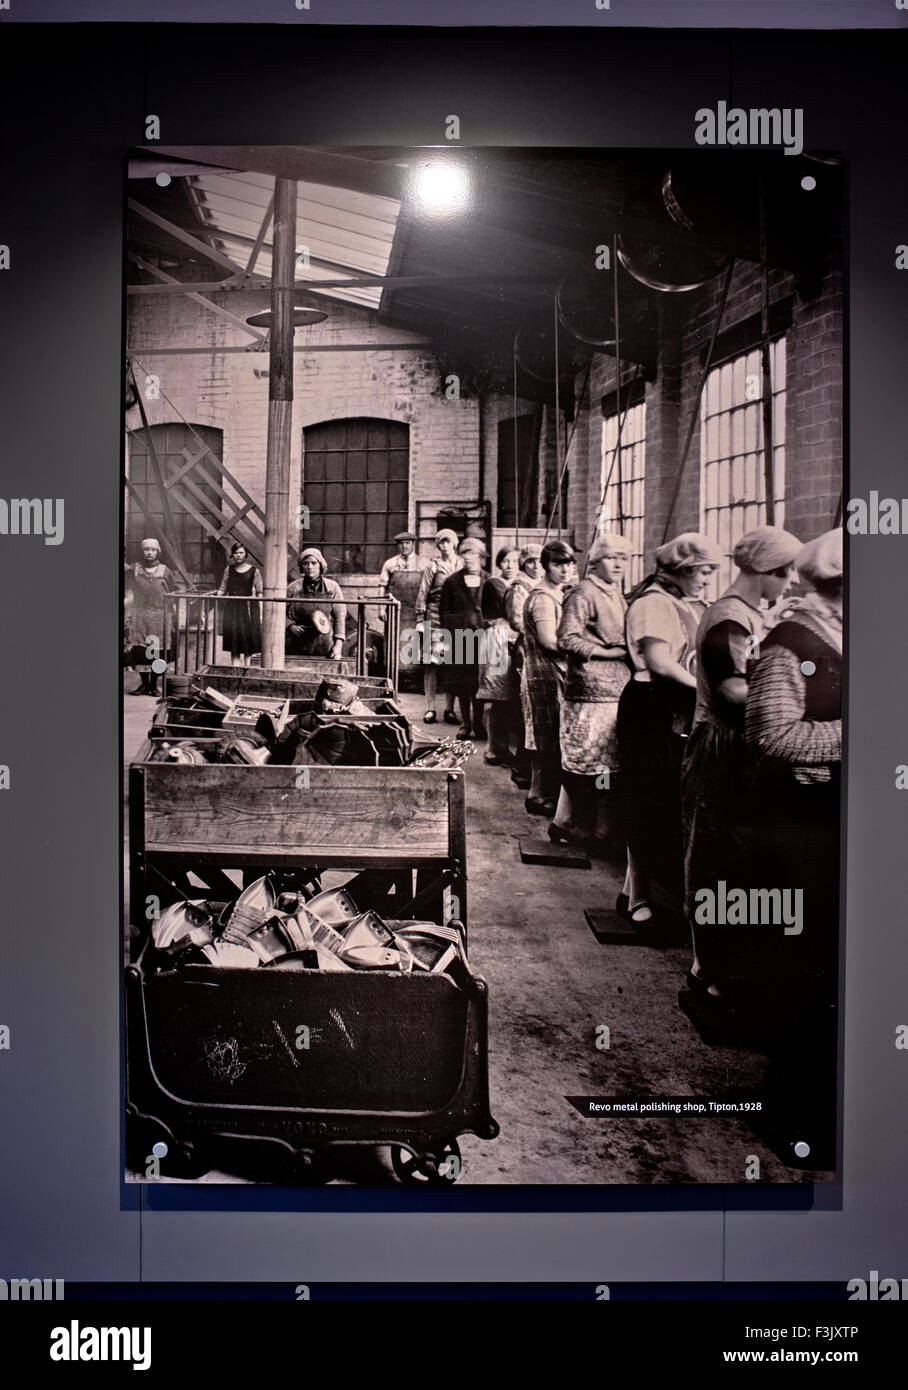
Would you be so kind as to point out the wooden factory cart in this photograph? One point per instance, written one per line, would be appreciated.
(212, 1057)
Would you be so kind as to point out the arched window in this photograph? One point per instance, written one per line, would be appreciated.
(202, 557)
(356, 486)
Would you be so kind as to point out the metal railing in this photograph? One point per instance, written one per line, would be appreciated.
(194, 624)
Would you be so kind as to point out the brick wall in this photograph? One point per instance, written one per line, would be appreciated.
(814, 407)
(230, 390)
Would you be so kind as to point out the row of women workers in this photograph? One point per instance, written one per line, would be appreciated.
(713, 731)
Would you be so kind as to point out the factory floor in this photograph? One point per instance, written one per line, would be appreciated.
(552, 986)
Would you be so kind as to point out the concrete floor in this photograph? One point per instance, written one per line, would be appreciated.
(551, 984)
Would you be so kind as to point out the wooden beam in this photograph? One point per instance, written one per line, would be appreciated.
(173, 230)
(354, 282)
(257, 244)
(222, 233)
(384, 178)
(201, 299)
(238, 516)
(418, 345)
(181, 287)
(280, 411)
(219, 464)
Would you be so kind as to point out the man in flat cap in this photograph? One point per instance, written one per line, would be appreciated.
(406, 561)
(400, 578)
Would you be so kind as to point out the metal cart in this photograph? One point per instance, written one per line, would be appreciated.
(214, 1055)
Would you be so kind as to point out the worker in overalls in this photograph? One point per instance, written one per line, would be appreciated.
(400, 578)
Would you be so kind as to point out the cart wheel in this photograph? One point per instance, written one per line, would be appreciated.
(427, 1170)
(311, 1169)
(185, 1160)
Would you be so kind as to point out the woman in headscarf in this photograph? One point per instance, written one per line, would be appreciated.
(148, 582)
(713, 768)
(543, 678)
(498, 687)
(241, 625)
(317, 620)
(793, 727)
(655, 712)
(518, 591)
(460, 616)
(591, 635)
(516, 594)
(447, 562)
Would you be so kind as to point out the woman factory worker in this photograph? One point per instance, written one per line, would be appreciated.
(591, 635)
(655, 712)
(498, 684)
(317, 621)
(515, 597)
(147, 584)
(446, 563)
(542, 678)
(460, 615)
(712, 772)
(793, 727)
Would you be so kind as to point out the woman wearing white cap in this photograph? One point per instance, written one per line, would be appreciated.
(793, 727)
(447, 562)
(713, 768)
(591, 635)
(655, 711)
(148, 582)
(317, 620)
(543, 678)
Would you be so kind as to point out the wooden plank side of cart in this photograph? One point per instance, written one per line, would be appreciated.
(346, 816)
(296, 682)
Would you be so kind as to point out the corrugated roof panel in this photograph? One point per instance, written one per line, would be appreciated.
(353, 231)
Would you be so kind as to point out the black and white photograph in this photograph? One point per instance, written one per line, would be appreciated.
(483, 637)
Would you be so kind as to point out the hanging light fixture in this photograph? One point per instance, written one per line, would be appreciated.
(302, 317)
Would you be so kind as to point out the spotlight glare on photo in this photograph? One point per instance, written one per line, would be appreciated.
(440, 189)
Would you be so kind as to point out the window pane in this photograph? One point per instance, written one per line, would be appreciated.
(354, 504)
(356, 526)
(377, 464)
(314, 497)
(731, 488)
(334, 436)
(399, 464)
(314, 466)
(376, 497)
(356, 497)
(397, 496)
(737, 432)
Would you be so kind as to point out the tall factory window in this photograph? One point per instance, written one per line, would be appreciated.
(174, 445)
(623, 483)
(356, 486)
(732, 475)
(521, 442)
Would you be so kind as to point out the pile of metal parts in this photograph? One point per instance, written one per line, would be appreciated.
(287, 931)
(256, 730)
